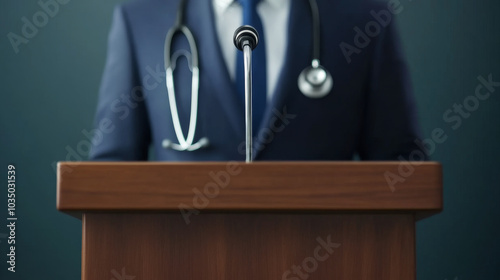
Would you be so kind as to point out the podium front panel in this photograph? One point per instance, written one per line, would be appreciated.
(227, 246)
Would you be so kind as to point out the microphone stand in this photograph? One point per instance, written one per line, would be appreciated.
(247, 58)
(246, 39)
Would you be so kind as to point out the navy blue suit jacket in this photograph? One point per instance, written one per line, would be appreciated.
(370, 110)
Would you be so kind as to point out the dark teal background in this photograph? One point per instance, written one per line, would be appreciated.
(48, 96)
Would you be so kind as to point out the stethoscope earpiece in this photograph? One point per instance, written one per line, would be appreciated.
(202, 143)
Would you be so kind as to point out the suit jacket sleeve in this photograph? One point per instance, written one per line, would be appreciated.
(121, 125)
(390, 124)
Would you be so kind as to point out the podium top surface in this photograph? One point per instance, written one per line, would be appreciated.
(257, 186)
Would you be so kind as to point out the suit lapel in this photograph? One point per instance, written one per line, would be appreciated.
(298, 56)
(212, 64)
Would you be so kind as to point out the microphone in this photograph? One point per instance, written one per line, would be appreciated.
(246, 35)
(246, 38)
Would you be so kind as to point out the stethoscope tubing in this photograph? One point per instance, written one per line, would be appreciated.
(184, 143)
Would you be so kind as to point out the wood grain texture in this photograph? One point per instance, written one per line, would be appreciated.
(298, 186)
(248, 246)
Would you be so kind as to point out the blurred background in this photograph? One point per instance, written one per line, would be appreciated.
(49, 91)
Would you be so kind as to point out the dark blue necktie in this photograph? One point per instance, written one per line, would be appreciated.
(259, 73)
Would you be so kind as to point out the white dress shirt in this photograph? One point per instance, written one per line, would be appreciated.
(274, 15)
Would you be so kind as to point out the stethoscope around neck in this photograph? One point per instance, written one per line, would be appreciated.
(185, 143)
(314, 81)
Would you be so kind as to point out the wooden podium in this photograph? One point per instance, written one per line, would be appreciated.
(237, 221)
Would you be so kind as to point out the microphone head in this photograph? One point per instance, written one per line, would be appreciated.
(246, 33)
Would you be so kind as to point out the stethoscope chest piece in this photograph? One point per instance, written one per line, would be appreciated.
(315, 81)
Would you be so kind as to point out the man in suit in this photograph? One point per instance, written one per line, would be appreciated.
(369, 111)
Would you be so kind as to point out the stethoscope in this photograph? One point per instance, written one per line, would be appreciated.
(314, 81)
